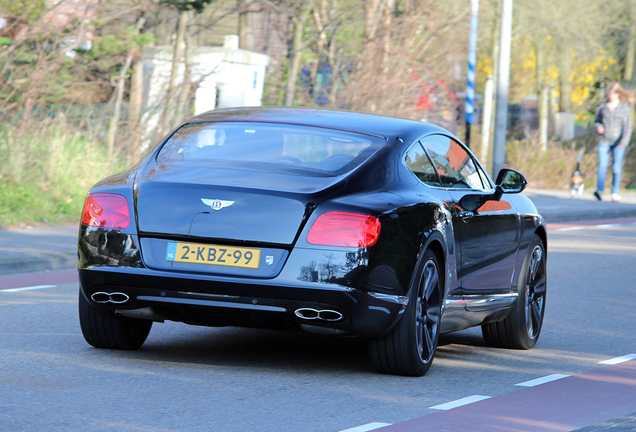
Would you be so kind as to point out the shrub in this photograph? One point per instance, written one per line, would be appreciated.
(45, 172)
(552, 169)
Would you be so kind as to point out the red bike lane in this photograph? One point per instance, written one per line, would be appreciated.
(565, 404)
(38, 279)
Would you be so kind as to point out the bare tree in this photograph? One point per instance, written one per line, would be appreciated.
(113, 125)
(407, 62)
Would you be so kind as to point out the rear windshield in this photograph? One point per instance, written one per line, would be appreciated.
(271, 147)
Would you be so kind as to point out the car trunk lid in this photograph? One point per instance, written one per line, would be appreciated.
(227, 204)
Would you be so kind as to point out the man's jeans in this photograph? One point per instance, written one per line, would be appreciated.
(617, 152)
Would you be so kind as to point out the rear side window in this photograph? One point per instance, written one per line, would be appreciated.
(455, 166)
(420, 164)
(303, 149)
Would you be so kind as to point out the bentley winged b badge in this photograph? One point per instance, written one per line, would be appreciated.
(216, 204)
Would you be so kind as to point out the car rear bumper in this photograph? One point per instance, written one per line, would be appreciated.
(202, 299)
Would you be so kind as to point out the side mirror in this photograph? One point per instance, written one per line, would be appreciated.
(510, 181)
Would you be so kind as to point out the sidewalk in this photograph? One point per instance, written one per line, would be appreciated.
(557, 206)
(54, 247)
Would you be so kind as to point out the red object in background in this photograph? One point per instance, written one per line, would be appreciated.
(424, 101)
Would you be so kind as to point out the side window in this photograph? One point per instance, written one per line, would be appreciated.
(420, 164)
(455, 166)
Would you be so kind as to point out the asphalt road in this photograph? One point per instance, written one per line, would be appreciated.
(189, 378)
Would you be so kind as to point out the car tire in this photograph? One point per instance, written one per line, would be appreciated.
(103, 330)
(408, 349)
(522, 327)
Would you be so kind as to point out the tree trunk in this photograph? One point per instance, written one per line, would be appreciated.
(542, 94)
(293, 64)
(388, 18)
(246, 27)
(543, 108)
(135, 105)
(336, 77)
(631, 44)
(136, 90)
(554, 108)
(113, 125)
(26, 116)
(371, 18)
(564, 80)
(183, 106)
(171, 94)
(539, 50)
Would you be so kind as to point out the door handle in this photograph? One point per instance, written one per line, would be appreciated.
(466, 216)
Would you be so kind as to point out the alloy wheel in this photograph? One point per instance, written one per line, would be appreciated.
(428, 312)
(535, 292)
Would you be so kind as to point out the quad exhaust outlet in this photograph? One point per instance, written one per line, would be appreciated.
(114, 297)
(318, 314)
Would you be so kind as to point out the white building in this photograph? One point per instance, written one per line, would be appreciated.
(228, 76)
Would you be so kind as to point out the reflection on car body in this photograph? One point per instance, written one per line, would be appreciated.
(330, 222)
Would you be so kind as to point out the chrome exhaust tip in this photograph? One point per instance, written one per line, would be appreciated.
(115, 297)
(306, 313)
(100, 297)
(319, 314)
(330, 315)
(119, 298)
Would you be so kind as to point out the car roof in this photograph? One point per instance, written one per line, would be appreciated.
(387, 127)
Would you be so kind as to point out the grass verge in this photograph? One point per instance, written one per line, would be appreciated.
(45, 172)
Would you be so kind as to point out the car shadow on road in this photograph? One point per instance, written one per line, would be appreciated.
(470, 337)
(292, 352)
(253, 348)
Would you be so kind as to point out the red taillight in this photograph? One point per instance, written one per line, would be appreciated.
(344, 229)
(106, 211)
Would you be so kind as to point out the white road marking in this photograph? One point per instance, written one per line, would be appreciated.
(579, 228)
(37, 287)
(618, 360)
(477, 398)
(366, 427)
(460, 402)
(542, 380)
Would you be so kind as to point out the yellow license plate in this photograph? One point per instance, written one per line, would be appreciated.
(213, 254)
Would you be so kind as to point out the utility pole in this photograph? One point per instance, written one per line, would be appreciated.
(503, 83)
(486, 118)
(472, 48)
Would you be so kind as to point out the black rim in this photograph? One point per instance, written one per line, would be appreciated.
(428, 312)
(535, 292)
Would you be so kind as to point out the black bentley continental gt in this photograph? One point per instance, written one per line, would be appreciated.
(324, 221)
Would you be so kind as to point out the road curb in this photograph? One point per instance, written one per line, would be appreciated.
(38, 264)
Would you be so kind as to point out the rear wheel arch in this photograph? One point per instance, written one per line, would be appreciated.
(409, 347)
(540, 231)
(435, 244)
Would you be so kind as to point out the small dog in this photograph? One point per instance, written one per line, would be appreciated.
(577, 179)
